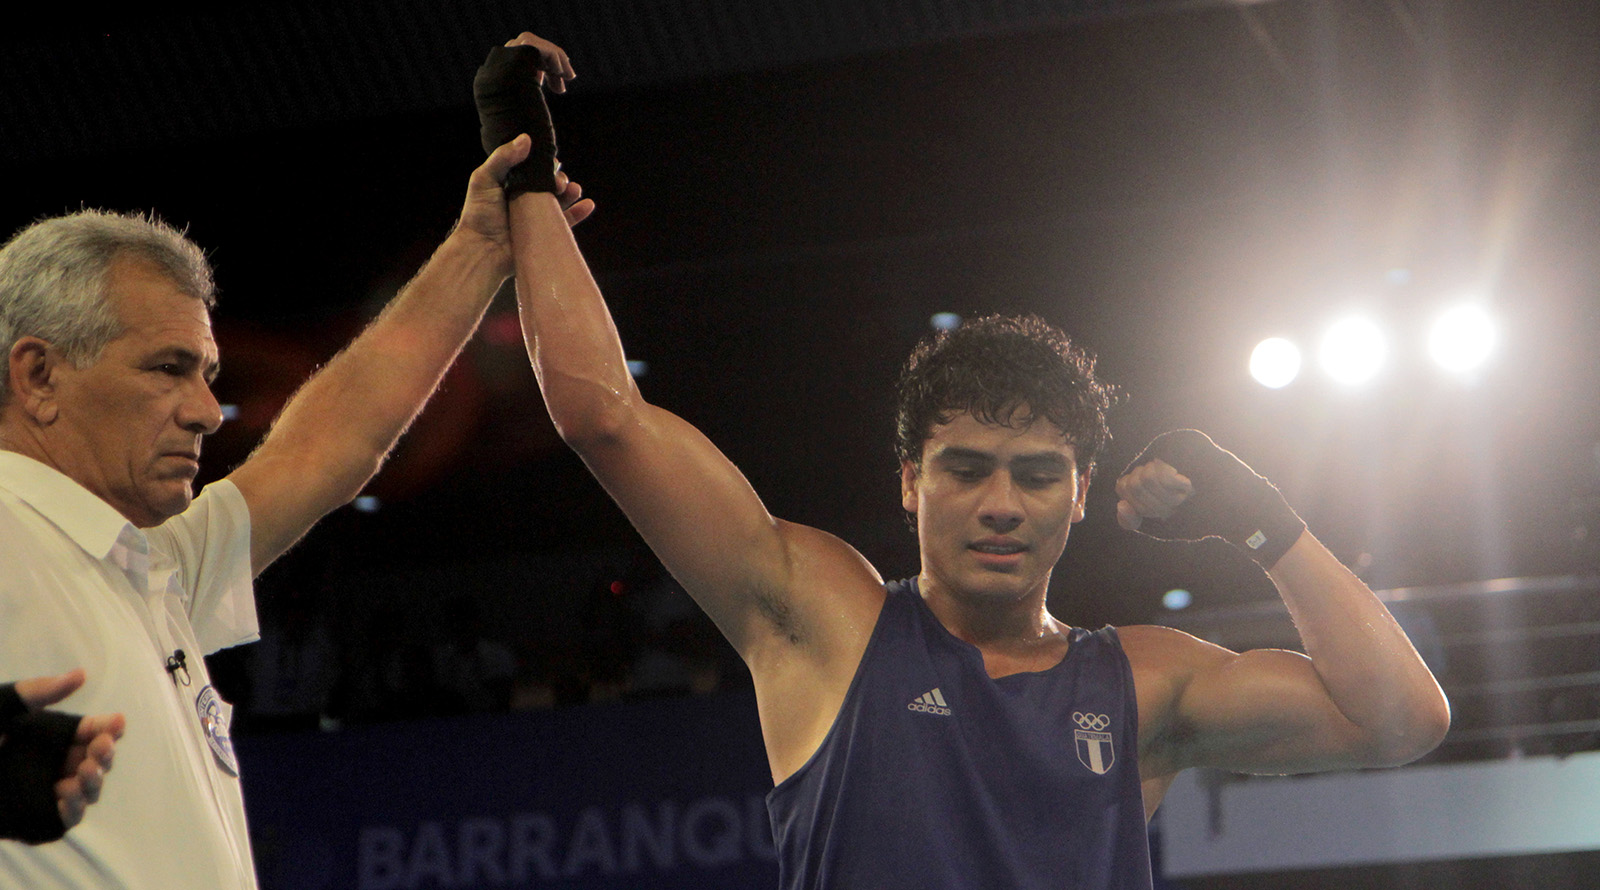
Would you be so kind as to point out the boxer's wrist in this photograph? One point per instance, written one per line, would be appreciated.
(1230, 500)
(510, 102)
(33, 755)
(11, 704)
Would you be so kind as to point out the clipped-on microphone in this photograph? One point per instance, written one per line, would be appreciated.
(177, 661)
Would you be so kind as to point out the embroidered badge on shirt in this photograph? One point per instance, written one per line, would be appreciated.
(1094, 745)
(210, 707)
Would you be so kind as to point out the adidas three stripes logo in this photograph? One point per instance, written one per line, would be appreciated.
(930, 702)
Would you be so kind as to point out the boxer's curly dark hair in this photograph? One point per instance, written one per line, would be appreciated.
(1009, 370)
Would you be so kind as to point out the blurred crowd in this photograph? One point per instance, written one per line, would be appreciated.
(638, 636)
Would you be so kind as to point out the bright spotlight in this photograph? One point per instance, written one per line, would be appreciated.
(1353, 351)
(1275, 363)
(1461, 338)
(366, 504)
(1176, 599)
(945, 321)
(638, 368)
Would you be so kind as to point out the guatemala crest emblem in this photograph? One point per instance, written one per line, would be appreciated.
(1095, 750)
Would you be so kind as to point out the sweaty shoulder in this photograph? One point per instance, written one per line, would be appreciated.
(1164, 648)
(1163, 660)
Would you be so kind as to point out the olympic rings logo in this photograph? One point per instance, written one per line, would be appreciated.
(1091, 721)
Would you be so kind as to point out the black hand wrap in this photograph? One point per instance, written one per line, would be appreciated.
(511, 102)
(1230, 500)
(33, 755)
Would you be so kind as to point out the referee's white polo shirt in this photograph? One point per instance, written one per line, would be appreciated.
(80, 586)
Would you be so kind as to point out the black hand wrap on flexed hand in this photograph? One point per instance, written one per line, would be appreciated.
(33, 755)
(511, 102)
(1230, 501)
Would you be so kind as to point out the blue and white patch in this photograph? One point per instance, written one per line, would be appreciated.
(214, 717)
(1095, 749)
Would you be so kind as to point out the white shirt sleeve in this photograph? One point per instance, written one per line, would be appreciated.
(208, 546)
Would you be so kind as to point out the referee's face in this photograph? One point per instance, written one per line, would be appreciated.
(128, 427)
(994, 505)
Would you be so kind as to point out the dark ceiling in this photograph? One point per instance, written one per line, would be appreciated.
(787, 193)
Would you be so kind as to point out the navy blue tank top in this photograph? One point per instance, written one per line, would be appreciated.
(936, 776)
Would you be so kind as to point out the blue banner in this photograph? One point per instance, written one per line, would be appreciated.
(656, 794)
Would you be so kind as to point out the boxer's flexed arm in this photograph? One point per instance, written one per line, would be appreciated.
(1361, 696)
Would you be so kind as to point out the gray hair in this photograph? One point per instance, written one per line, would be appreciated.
(53, 277)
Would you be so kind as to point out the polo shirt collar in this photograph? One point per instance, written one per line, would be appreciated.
(80, 514)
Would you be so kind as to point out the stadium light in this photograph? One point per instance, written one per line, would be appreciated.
(1353, 350)
(1275, 363)
(1461, 338)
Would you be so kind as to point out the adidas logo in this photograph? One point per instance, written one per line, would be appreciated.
(930, 702)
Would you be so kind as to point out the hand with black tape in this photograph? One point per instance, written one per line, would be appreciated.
(52, 765)
(509, 93)
(1184, 487)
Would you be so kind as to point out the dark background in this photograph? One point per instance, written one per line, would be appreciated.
(787, 193)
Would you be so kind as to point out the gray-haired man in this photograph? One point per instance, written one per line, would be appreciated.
(110, 562)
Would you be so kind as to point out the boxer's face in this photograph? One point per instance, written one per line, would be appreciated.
(128, 427)
(994, 505)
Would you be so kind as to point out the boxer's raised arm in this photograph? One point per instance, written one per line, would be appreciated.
(694, 508)
(747, 569)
